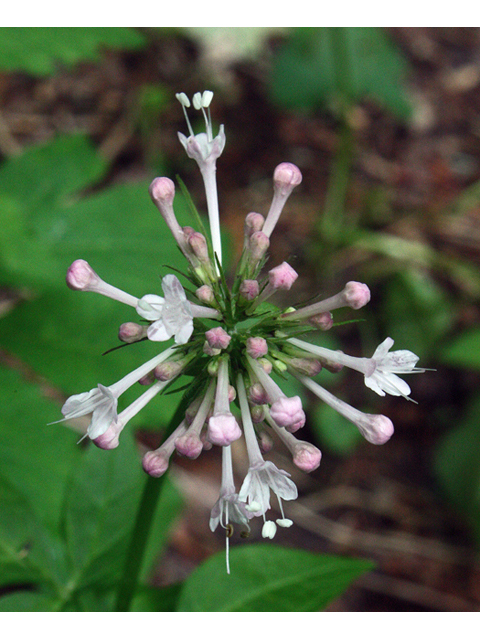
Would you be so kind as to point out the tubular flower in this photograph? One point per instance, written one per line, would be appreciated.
(231, 349)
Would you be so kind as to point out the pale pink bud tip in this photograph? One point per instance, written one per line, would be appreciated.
(249, 289)
(218, 338)
(357, 295)
(257, 347)
(287, 175)
(155, 463)
(288, 413)
(81, 276)
(322, 321)
(131, 332)
(189, 446)
(253, 222)
(282, 277)
(162, 190)
(307, 457)
(205, 294)
(108, 440)
(223, 429)
(377, 429)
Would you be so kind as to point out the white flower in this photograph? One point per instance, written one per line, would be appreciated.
(227, 509)
(100, 402)
(384, 379)
(261, 479)
(170, 316)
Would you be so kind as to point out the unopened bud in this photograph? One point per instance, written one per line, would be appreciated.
(306, 456)
(162, 191)
(132, 332)
(282, 277)
(357, 294)
(205, 294)
(155, 463)
(168, 370)
(199, 247)
(218, 338)
(257, 394)
(189, 445)
(288, 413)
(306, 366)
(322, 321)
(257, 347)
(253, 222)
(258, 413)
(286, 177)
(257, 247)
(249, 289)
(81, 276)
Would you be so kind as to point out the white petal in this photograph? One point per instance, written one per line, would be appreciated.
(150, 307)
(157, 332)
(183, 335)
(173, 290)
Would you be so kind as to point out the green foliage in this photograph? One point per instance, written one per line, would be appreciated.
(67, 511)
(464, 350)
(39, 50)
(266, 577)
(457, 466)
(317, 66)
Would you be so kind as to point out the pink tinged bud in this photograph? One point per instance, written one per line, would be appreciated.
(265, 441)
(249, 289)
(282, 277)
(210, 351)
(168, 370)
(357, 295)
(189, 445)
(223, 429)
(306, 366)
(132, 332)
(199, 247)
(257, 247)
(285, 178)
(253, 222)
(109, 439)
(322, 321)
(155, 463)
(266, 365)
(257, 394)
(257, 347)
(146, 380)
(288, 413)
(218, 338)
(232, 394)
(81, 277)
(205, 294)
(376, 429)
(162, 192)
(306, 456)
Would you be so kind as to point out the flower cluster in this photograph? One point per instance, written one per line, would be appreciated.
(233, 345)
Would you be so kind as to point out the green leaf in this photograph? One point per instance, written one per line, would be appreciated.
(157, 599)
(457, 466)
(266, 577)
(36, 458)
(316, 65)
(39, 50)
(464, 350)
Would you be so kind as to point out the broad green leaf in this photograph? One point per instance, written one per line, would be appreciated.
(157, 599)
(464, 350)
(39, 50)
(100, 510)
(266, 577)
(36, 458)
(457, 466)
(318, 65)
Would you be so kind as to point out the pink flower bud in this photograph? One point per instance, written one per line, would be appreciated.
(306, 457)
(205, 294)
(257, 394)
(223, 429)
(131, 332)
(286, 177)
(288, 413)
(376, 429)
(265, 441)
(258, 413)
(257, 347)
(198, 245)
(162, 190)
(357, 295)
(155, 463)
(249, 289)
(322, 321)
(218, 338)
(265, 364)
(210, 351)
(189, 445)
(168, 370)
(81, 276)
(109, 439)
(306, 366)
(257, 247)
(232, 394)
(253, 222)
(282, 277)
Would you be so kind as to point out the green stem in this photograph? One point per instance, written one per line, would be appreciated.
(140, 534)
(141, 530)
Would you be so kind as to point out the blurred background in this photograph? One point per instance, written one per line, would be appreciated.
(385, 127)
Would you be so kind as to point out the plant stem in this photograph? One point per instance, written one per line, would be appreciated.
(140, 534)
